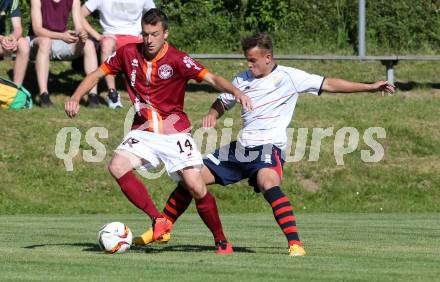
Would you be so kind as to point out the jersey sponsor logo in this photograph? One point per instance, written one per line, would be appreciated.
(133, 78)
(165, 71)
(189, 62)
(134, 64)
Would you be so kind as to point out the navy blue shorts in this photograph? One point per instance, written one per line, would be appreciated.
(233, 162)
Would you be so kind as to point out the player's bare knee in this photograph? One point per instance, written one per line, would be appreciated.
(118, 167)
(266, 185)
(267, 178)
(196, 188)
(112, 168)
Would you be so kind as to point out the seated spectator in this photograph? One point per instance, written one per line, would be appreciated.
(14, 42)
(50, 39)
(121, 24)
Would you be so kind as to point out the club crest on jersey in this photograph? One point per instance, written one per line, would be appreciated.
(165, 71)
(189, 62)
(135, 63)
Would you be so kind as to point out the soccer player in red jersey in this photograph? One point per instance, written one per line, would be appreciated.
(156, 75)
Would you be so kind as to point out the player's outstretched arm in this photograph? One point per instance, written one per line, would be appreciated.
(225, 86)
(71, 106)
(217, 109)
(345, 86)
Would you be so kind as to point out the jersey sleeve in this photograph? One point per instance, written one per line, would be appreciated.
(15, 9)
(190, 68)
(227, 99)
(306, 82)
(114, 64)
(92, 5)
(148, 4)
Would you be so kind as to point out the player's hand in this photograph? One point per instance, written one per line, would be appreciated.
(69, 36)
(383, 86)
(244, 100)
(209, 121)
(71, 107)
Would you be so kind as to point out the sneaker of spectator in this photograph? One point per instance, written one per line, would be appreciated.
(114, 99)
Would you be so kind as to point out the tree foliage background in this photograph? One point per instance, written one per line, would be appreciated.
(302, 27)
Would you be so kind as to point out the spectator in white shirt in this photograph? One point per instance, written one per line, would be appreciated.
(121, 24)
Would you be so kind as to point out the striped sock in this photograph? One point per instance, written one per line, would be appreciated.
(177, 203)
(283, 213)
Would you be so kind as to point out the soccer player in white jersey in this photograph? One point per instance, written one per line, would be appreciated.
(258, 153)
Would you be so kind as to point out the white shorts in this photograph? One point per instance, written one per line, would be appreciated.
(176, 151)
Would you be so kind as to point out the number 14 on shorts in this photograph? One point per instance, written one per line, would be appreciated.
(185, 146)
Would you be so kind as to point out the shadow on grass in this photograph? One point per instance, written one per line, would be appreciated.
(64, 82)
(90, 247)
(184, 248)
(411, 85)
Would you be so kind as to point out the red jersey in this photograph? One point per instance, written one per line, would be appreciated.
(159, 84)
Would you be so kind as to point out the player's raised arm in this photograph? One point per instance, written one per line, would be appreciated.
(225, 86)
(71, 106)
(345, 86)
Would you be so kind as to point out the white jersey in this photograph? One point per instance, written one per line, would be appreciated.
(120, 16)
(274, 98)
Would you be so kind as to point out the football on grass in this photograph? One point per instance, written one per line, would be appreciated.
(115, 238)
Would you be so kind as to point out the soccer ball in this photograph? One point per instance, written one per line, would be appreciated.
(115, 238)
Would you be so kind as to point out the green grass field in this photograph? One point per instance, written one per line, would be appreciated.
(360, 221)
(341, 247)
(34, 179)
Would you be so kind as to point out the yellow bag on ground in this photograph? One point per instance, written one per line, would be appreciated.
(13, 96)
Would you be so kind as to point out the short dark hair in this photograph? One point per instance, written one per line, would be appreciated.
(153, 16)
(261, 40)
